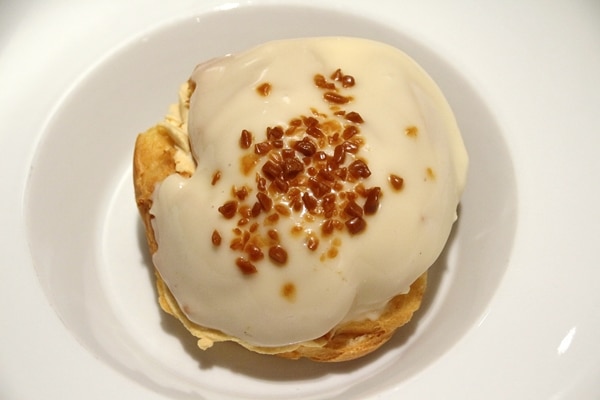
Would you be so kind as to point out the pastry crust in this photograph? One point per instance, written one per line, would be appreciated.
(154, 160)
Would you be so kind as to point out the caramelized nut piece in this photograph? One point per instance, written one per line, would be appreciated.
(339, 154)
(319, 189)
(322, 83)
(271, 170)
(265, 201)
(283, 210)
(292, 167)
(329, 204)
(336, 98)
(245, 139)
(261, 183)
(328, 227)
(353, 210)
(337, 75)
(229, 209)
(245, 266)
(264, 89)
(306, 147)
(312, 242)
(254, 252)
(256, 208)
(356, 225)
(348, 81)
(262, 148)
(241, 193)
(236, 244)
(272, 233)
(310, 121)
(314, 131)
(372, 203)
(359, 169)
(215, 178)
(309, 201)
(275, 132)
(349, 131)
(278, 254)
(280, 185)
(354, 117)
(216, 238)
(396, 182)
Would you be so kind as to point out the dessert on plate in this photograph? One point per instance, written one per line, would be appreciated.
(296, 195)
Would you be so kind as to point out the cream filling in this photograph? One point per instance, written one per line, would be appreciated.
(402, 239)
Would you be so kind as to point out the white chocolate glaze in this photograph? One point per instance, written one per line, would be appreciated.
(401, 240)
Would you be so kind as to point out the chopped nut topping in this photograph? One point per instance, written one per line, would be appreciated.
(310, 168)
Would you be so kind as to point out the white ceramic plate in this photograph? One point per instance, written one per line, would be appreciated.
(511, 310)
